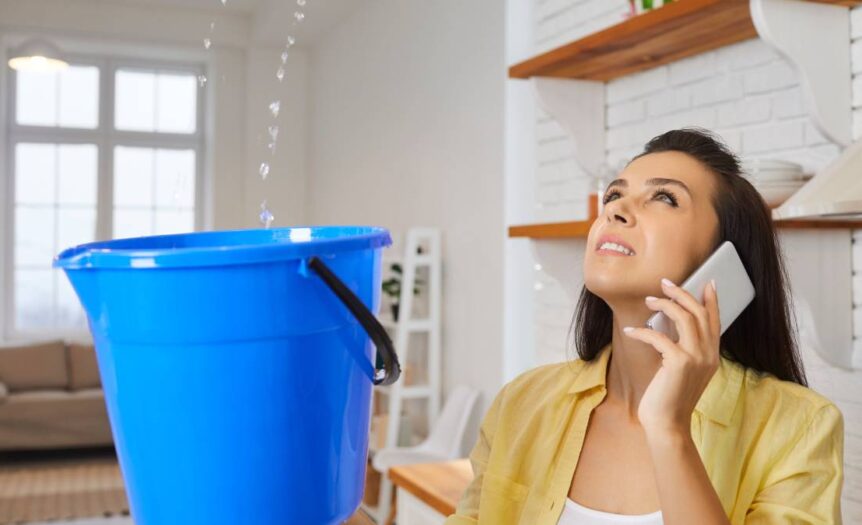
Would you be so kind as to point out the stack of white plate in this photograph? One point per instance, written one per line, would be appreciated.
(776, 180)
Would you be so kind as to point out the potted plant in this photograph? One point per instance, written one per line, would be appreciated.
(392, 287)
(637, 7)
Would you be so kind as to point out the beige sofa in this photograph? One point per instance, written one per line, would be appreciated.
(51, 397)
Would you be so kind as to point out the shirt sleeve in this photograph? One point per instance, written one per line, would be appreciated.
(467, 510)
(804, 487)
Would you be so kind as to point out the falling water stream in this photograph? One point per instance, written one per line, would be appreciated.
(265, 216)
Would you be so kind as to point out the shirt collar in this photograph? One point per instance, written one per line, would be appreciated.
(717, 401)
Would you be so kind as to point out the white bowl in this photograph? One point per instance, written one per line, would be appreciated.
(774, 193)
(766, 164)
(776, 176)
(771, 170)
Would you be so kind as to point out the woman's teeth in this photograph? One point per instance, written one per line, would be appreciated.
(615, 247)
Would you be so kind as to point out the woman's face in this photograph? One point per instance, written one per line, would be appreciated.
(660, 207)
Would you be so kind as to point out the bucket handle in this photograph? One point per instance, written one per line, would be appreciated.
(387, 360)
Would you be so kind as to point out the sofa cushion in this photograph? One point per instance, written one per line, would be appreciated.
(42, 419)
(83, 367)
(33, 366)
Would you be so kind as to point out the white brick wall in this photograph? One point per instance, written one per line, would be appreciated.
(560, 21)
(746, 93)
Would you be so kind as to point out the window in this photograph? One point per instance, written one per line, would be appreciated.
(101, 150)
(153, 191)
(55, 206)
(151, 101)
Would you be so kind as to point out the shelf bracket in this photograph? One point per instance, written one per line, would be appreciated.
(823, 63)
(823, 301)
(563, 261)
(579, 107)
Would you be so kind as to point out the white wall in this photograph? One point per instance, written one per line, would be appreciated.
(406, 130)
(519, 341)
(752, 98)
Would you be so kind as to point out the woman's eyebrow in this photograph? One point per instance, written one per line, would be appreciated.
(655, 181)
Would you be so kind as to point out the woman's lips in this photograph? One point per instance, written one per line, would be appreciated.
(615, 239)
(606, 251)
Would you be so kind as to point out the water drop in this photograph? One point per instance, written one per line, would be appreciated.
(273, 132)
(207, 43)
(290, 41)
(275, 107)
(266, 217)
(300, 3)
(271, 147)
(284, 57)
(202, 80)
(212, 26)
(298, 15)
(223, 2)
(280, 74)
(264, 170)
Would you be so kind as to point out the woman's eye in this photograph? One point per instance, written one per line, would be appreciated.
(668, 197)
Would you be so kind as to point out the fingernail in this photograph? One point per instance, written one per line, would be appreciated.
(651, 298)
(667, 282)
(712, 282)
(627, 329)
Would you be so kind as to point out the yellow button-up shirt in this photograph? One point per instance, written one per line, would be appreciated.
(773, 449)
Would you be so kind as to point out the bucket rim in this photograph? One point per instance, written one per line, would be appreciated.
(222, 247)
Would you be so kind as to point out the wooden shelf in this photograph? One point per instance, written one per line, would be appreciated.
(552, 230)
(666, 34)
(580, 229)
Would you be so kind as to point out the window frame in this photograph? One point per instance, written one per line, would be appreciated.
(105, 137)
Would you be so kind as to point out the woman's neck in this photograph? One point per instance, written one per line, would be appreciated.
(631, 367)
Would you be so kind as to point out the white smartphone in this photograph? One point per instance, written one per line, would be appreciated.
(735, 290)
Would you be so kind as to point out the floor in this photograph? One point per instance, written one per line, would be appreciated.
(19, 460)
(88, 521)
(359, 519)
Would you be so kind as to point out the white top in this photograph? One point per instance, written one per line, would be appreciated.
(576, 514)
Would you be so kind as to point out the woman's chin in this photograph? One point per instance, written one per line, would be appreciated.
(609, 272)
(603, 286)
(609, 284)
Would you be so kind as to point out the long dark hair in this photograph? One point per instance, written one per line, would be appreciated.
(762, 336)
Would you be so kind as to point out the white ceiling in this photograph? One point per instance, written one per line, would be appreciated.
(272, 20)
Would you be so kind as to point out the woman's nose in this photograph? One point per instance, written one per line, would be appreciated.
(616, 212)
(619, 217)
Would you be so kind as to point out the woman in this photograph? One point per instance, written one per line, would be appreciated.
(710, 429)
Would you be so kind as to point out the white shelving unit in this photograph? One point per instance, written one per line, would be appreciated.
(428, 239)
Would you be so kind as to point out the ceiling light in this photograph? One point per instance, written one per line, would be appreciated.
(37, 55)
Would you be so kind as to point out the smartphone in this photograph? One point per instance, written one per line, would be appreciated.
(735, 290)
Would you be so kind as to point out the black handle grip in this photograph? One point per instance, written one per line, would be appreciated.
(387, 360)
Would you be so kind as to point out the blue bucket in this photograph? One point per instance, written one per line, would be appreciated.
(237, 369)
